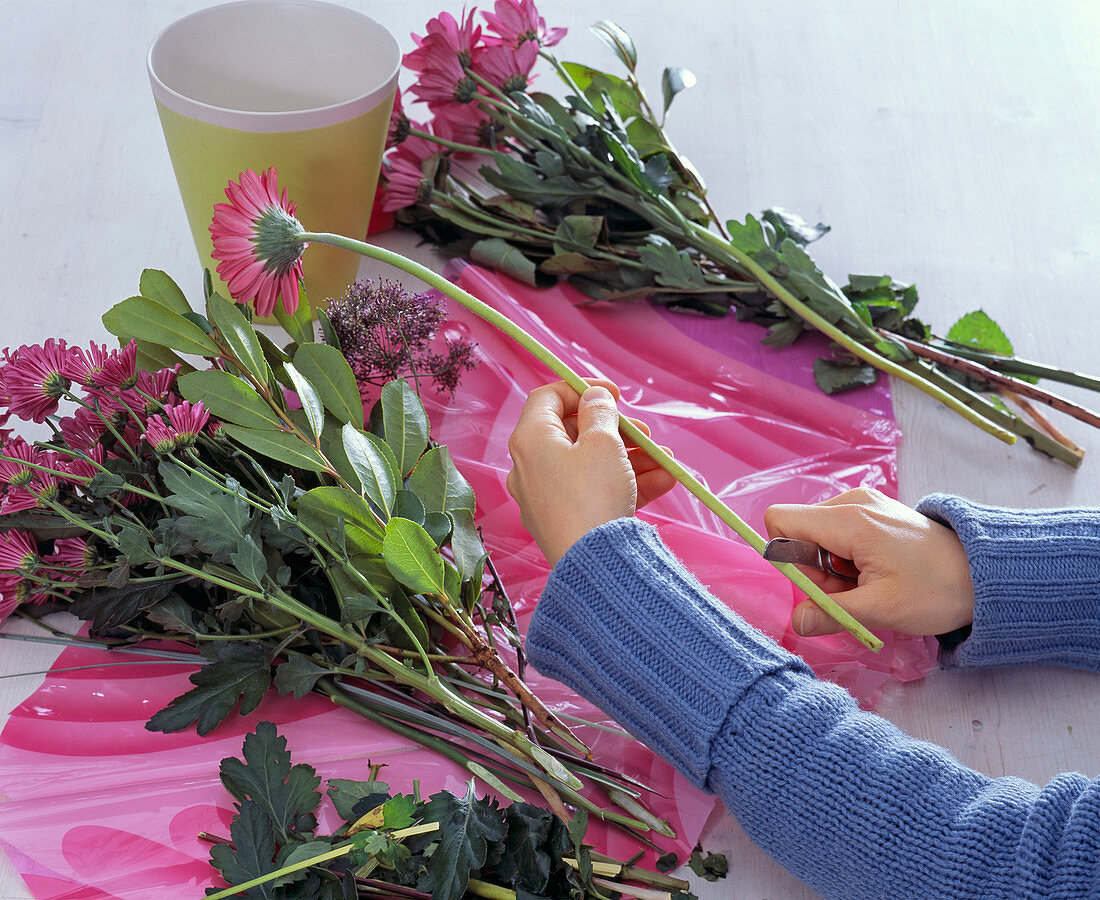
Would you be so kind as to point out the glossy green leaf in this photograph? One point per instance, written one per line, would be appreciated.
(412, 557)
(978, 330)
(311, 402)
(374, 465)
(153, 357)
(467, 546)
(228, 398)
(408, 506)
(438, 525)
(326, 369)
(278, 445)
(439, 484)
(321, 508)
(404, 424)
(239, 336)
(618, 40)
(148, 320)
(298, 324)
(159, 286)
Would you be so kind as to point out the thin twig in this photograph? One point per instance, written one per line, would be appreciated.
(1042, 421)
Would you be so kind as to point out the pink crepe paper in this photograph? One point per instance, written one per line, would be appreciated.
(101, 808)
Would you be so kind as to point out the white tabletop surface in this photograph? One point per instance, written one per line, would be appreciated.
(950, 144)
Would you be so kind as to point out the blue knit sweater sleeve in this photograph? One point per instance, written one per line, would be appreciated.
(840, 797)
(1036, 575)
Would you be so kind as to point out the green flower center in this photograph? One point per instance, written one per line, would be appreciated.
(278, 246)
(55, 385)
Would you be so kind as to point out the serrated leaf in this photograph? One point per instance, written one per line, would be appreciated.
(978, 330)
(251, 853)
(159, 287)
(375, 467)
(346, 794)
(326, 369)
(311, 402)
(239, 336)
(788, 225)
(404, 424)
(298, 324)
(673, 80)
(322, 508)
(439, 484)
(399, 811)
(241, 672)
(526, 862)
(466, 827)
(412, 557)
(672, 267)
(287, 794)
(148, 320)
(228, 398)
(278, 445)
(834, 377)
(214, 519)
(109, 607)
(618, 40)
(359, 608)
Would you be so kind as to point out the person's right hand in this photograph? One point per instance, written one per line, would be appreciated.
(914, 575)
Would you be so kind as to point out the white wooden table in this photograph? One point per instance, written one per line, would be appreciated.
(950, 144)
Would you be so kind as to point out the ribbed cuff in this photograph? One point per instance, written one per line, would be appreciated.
(1036, 575)
(625, 625)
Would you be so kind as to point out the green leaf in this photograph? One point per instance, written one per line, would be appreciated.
(977, 330)
(748, 237)
(278, 445)
(323, 508)
(311, 402)
(215, 520)
(228, 398)
(108, 608)
(298, 324)
(239, 336)
(496, 253)
(599, 87)
(466, 828)
(375, 467)
(467, 546)
(359, 608)
(673, 80)
(326, 369)
(148, 320)
(618, 40)
(439, 484)
(160, 288)
(408, 506)
(286, 794)
(412, 557)
(399, 812)
(404, 424)
(153, 357)
(578, 232)
(672, 267)
(833, 377)
(527, 862)
(346, 795)
(438, 525)
(251, 853)
(788, 225)
(240, 671)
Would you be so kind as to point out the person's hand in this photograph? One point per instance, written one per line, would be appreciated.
(914, 576)
(571, 470)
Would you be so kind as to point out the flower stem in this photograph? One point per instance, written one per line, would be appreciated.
(553, 362)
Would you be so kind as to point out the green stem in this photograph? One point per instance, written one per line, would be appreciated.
(1017, 366)
(715, 244)
(450, 145)
(546, 356)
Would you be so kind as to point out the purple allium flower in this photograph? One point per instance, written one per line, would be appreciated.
(386, 332)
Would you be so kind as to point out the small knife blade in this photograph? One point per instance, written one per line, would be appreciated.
(807, 553)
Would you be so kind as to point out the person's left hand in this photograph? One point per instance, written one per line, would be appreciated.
(571, 470)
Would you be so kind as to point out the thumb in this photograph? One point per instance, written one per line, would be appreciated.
(597, 413)
(863, 602)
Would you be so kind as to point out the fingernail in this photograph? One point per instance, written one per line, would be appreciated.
(596, 392)
(808, 621)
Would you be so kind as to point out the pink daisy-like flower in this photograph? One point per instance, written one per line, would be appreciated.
(518, 22)
(152, 390)
(71, 558)
(440, 59)
(185, 423)
(255, 238)
(35, 380)
(399, 123)
(406, 182)
(82, 430)
(82, 468)
(466, 124)
(18, 552)
(100, 369)
(22, 483)
(9, 595)
(509, 68)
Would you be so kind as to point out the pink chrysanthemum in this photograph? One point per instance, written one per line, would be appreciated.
(18, 553)
(466, 124)
(399, 123)
(9, 595)
(71, 558)
(185, 423)
(407, 184)
(82, 430)
(35, 380)
(507, 67)
(255, 238)
(100, 369)
(152, 390)
(518, 22)
(82, 468)
(440, 59)
(23, 484)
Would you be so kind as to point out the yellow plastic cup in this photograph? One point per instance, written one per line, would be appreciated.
(302, 85)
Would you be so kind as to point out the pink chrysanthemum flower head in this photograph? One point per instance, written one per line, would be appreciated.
(100, 369)
(185, 423)
(35, 378)
(71, 558)
(257, 242)
(18, 553)
(509, 68)
(518, 21)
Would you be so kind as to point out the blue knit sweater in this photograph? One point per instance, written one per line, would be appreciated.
(840, 797)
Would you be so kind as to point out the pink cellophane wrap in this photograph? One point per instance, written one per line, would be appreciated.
(101, 808)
